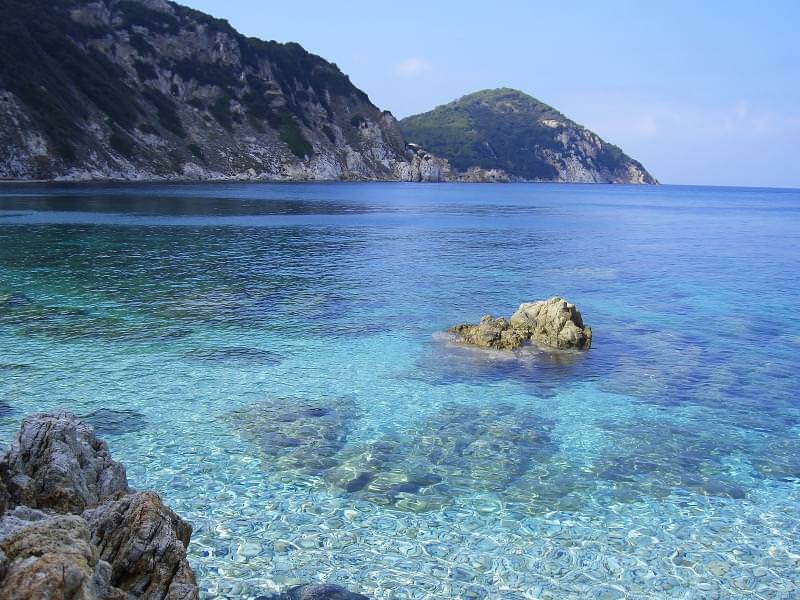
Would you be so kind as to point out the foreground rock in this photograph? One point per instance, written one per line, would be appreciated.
(56, 462)
(124, 545)
(72, 529)
(45, 556)
(145, 544)
(554, 322)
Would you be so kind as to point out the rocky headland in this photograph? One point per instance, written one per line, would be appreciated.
(554, 323)
(71, 528)
(507, 135)
(150, 90)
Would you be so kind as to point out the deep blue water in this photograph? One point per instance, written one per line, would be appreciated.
(270, 358)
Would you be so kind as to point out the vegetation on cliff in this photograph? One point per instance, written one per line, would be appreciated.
(512, 131)
(152, 88)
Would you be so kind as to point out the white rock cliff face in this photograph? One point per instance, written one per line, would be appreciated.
(169, 93)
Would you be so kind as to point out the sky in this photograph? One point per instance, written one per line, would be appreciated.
(700, 92)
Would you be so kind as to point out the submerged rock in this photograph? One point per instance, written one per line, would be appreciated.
(236, 355)
(324, 591)
(778, 458)
(298, 434)
(460, 450)
(113, 421)
(554, 322)
(655, 459)
(14, 300)
(457, 451)
(125, 545)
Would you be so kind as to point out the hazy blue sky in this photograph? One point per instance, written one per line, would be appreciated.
(700, 92)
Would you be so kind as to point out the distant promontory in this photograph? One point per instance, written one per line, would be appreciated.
(505, 133)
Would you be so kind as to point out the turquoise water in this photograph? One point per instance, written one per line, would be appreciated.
(270, 358)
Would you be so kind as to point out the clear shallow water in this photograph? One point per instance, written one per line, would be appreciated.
(269, 358)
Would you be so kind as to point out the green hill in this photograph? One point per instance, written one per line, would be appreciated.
(508, 130)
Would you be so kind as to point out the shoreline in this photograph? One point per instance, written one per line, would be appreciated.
(301, 181)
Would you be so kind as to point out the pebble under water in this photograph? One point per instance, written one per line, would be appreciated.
(271, 360)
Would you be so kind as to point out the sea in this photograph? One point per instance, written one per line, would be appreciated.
(273, 360)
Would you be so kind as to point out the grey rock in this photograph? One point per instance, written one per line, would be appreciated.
(51, 558)
(145, 543)
(5, 497)
(57, 462)
(18, 518)
(125, 545)
(423, 166)
(479, 175)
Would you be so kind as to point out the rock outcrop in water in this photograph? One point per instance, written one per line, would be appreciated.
(72, 529)
(554, 322)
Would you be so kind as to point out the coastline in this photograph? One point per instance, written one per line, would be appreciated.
(168, 180)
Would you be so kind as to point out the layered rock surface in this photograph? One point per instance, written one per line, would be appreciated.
(554, 322)
(56, 462)
(43, 556)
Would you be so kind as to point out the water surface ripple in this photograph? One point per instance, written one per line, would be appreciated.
(270, 359)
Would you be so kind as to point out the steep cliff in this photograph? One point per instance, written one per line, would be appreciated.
(506, 130)
(149, 89)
